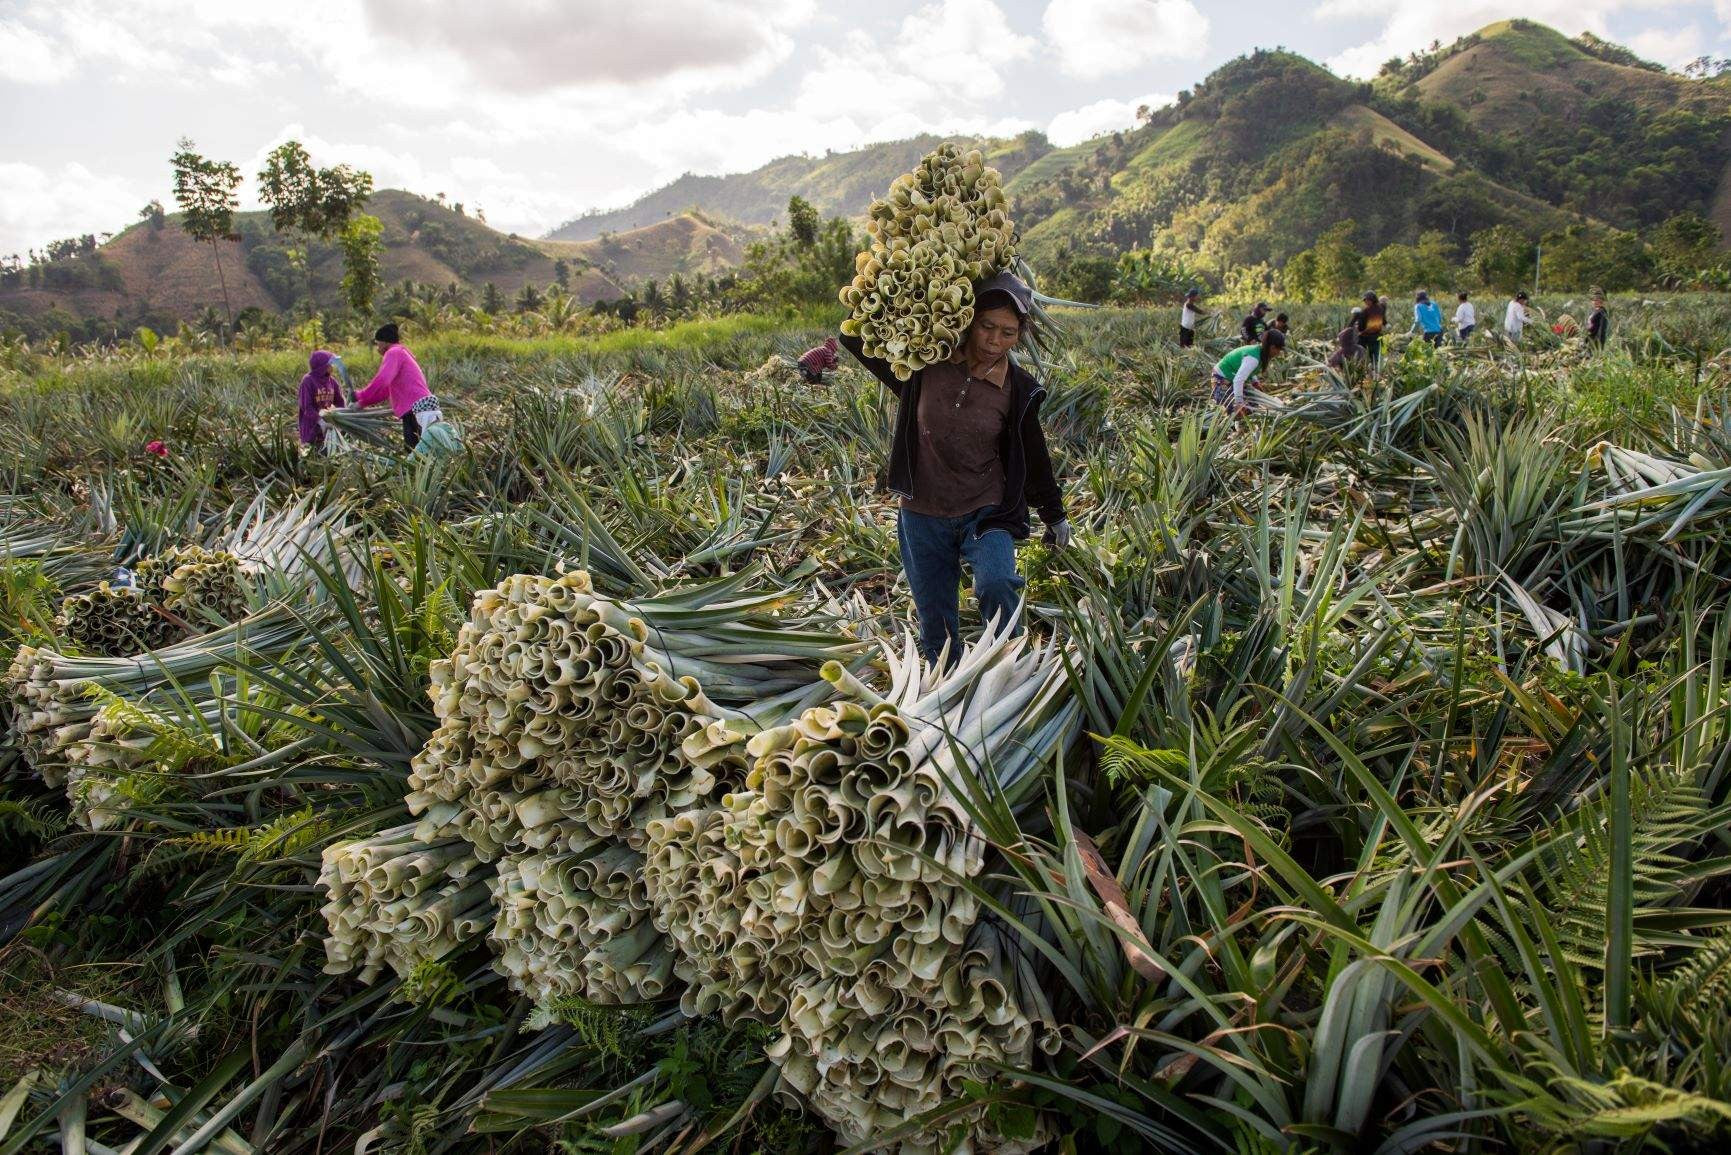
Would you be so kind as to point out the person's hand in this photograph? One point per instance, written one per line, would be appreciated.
(1060, 534)
(1241, 409)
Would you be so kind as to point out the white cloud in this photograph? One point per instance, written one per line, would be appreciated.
(178, 43)
(29, 57)
(1672, 47)
(528, 202)
(537, 46)
(960, 47)
(38, 205)
(1414, 27)
(944, 73)
(1107, 37)
(1099, 118)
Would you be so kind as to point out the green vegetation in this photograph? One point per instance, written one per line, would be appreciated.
(1395, 818)
(204, 189)
(1442, 170)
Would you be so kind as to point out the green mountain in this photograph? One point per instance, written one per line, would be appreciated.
(154, 273)
(838, 184)
(1513, 125)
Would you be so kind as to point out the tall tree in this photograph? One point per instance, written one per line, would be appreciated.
(1502, 258)
(361, 241)
(204, 189)
(311, 201)
(802, 220)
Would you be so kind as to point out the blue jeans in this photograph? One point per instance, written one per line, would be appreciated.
(933, 550)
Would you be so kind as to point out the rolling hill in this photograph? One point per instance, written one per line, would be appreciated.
(155, 273)
(837, 184)
(1515, 124)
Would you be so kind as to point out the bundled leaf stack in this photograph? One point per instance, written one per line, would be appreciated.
(196, 584)
(570, 721)
(939, 229)
(827, 895)
(55, 697)
(113, 620)
(124, 739)
(394, 900)
(579, 915)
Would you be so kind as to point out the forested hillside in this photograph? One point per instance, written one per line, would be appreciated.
(836, 184)
(1273, 174)
(153, 273)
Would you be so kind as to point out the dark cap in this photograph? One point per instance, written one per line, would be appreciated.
(387, 333)
(1188, 293)
(1369, 295)
(1521, 296)
(1021, 297)
(1261, 307)
(1422, 296)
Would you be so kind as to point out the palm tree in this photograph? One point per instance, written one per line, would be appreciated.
(561, 311)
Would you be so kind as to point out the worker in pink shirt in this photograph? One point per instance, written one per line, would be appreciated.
(401, 382)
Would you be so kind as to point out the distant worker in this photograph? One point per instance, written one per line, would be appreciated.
(320, 390)
(1466, 319)
(1598, 322)
(1346, 347)
(401, 382)
(818, 360)
(1241, 367)
(1427, 318)
(1189, 318)
(1372, 319)
(1283, 323)
(1515, 317)
(1251, 329)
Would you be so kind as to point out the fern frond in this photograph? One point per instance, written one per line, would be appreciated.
(609, 1031)
(1127, 763)
(1667, 812)
(1625, 1106)
(29, 819)
(430, 984)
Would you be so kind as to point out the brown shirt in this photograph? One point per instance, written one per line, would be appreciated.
(959, 466)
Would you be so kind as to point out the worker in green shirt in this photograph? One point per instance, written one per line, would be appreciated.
(1241, 367)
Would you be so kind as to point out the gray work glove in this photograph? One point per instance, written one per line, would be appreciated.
(1060, 534)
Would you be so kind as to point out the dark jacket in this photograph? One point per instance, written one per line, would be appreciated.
(1598, 326)
(1028, 474)
(1252, 328)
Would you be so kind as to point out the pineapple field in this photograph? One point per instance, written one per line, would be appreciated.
(1361, 781)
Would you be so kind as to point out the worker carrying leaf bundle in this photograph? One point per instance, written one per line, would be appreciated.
(1372, 319)
(401, 382)
(967, 459)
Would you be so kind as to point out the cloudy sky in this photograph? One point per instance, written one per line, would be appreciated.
(537, 110)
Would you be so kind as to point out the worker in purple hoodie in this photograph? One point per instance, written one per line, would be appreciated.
(320, 390)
